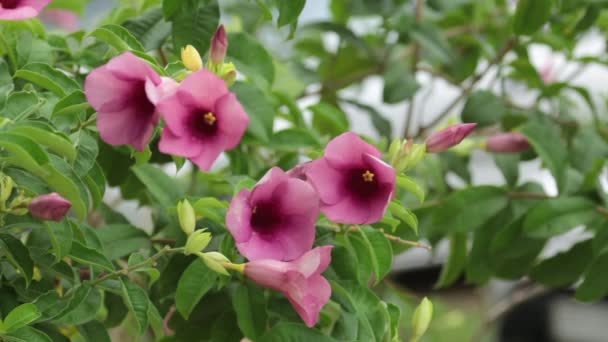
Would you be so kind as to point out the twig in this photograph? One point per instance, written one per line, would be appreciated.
(166, 328)
(467, 90)
(415, 59)
(395, 239)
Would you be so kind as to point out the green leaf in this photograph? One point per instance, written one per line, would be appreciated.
(399, 82)
(120, 240)
(289, 11)
(294, 332)
(194, 23)
(193, 284)
(151, 29)
(250, 57)
(27, 334)
(404, 214)
(456, 261)
(381, 124)
(466, 210)
(60, 234)
(21, 105)
(409, 184)
(76, 6)
(78, 296)
(293, 139)
(48, 78)
(18, 255)
(249, 304)
(328, 119)
(76, 102)
(82, 311)
(531, 15)
(89, 256)
(62, 178)
(434, 46)
(21, 316)
(94, 331)
(96, 181)
(547, 143)
(380, 250)
(508, 163)
(556, 216)
(25, 153)
(45, 135)
(162, 187)
(564, 268)
(118, 37)
(483, 108)
(137, 301)
(260, 111)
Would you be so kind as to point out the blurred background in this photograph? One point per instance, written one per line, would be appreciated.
(500, 310)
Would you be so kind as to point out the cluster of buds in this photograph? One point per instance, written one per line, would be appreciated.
(219, 46)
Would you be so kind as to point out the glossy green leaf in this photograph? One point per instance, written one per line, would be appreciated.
(73, 103)
(564, 268)
(556, 216)
(193, 284)
(120, 240)
(46, 136)
(18, 255)
(137, 301)
(20, 316)
(250, 57)
(399, 82)
(25, 153)
(82, 311)
(27, 334)
(465, 210)
(94, 331)
(151, 29)
(409, 184)
(194, 22)
(118, 37)
(294, 332)
(483, 108)
(249, 304)
(159, 184)
(404, 214)
(260, 111)
(531, 15)
(48, 77)
(89, 256)
(381, 251)
(456, 261)
(60, 234)
(293, 139)
(328, 119)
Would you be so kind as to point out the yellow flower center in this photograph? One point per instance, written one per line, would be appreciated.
(209, 119)
(368, 176)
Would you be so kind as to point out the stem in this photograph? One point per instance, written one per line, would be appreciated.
(145, 263)
(235, 267)
(467, 90)
(395, 239)
(163, 57)
(415, 59)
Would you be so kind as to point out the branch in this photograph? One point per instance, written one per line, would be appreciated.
(395, 239)
(416, 58)
(467, 90)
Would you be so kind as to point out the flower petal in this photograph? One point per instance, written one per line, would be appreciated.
(308, 296)
(232, 120)
(260, 247)
(238, 217)
(170, 143)
(327, 180)
(208, 155)
(129, 67)
(345, 151)
(264, 190)
(205, 88)
(126, 127)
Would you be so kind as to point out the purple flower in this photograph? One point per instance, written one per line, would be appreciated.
(300, 280)
(124, 93)
(49, 207)
(203, 119)
(355, 186)
(21, 9)
(219, 46)
(511, 142)
(276, 220)
(449, 137)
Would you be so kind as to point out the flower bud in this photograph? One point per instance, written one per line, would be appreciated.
(186, 216)
(449, 137)
(511, 142)
(409, 157)
(197, 241)
(191, 58)
(219, 46)
(49, 207)
(421, 319)
(6, 189)
(215, 261)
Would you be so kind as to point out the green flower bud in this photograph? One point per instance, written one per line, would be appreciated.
(197, 241)
(421, 319)
(6, 189)
(186, 216)
(215, 261)
(411, 155)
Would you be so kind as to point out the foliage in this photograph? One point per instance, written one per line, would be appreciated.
(95, 270)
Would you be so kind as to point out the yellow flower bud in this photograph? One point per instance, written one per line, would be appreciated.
(186, 216)
(421, 319)
(197, 241)
(191, 58)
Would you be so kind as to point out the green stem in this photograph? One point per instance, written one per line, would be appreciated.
(149, 262)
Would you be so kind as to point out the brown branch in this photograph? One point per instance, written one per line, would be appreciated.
(511, 43)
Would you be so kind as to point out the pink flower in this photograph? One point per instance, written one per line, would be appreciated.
(276, 220)
(49, 207)
(355, 186)
(203, 119)
(219, 46)
(124, 93)
(546, 72)
(21, 9)
(507, 143)
(300, 280)
(67, 20)
(449, 137)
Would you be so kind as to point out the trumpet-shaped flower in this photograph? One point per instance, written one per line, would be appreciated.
(21, 9)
